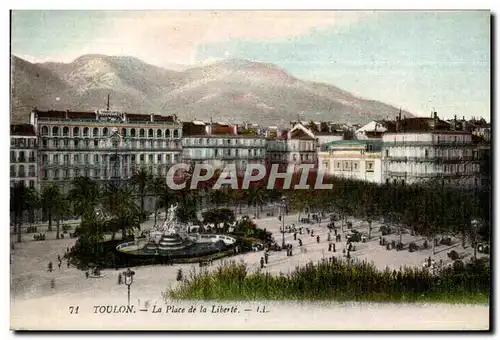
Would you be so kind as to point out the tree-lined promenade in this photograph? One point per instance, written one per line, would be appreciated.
(429, 210)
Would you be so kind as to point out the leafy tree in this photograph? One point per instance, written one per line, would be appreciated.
(21, 199)
(51, 197)
(84, 196)
(142, 180)
(218, 216)
(256, 198)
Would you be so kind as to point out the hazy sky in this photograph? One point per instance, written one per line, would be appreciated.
(414, 60)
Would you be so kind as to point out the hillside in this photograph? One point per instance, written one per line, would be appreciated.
(230, 90)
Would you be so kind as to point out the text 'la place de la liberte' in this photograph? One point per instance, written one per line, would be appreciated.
(170, 309)
(253, 173)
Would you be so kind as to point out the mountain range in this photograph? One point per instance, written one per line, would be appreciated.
(231, 90)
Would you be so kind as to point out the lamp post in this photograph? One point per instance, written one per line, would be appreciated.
(129, 279)
(283, 207)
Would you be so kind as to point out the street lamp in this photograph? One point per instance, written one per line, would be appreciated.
(129, 279)
(283, 207)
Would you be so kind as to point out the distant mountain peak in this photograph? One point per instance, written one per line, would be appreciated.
(235, 90)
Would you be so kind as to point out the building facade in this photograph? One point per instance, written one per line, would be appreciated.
(219, 144)
(427, 150)
(104, 145)
(24, 155)
(352, 159)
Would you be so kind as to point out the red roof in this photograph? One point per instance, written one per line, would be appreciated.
(51, 114)
(138, 117)
(164, 118)
(190, 129)
(222, 130)
(22, 130)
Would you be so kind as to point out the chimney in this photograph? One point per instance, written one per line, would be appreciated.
(398, 123)
(455, 126)
(235, 129)
(435, 115)
(152, 116)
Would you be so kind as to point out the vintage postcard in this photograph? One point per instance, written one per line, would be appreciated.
(250, 170)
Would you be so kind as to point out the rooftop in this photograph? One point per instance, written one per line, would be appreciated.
(89, 115)
(20, 129)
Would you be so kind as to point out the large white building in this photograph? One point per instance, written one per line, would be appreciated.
(23, 155)
(104, 145)
(427, 150)
(352, 159)
(219, 144)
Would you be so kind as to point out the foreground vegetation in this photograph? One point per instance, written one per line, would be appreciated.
(339, 280)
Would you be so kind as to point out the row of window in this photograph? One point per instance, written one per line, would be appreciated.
(20, 171)
(28, 183)
(451, 168)
(303, 157)
(22, 143)
(56, 131)
(221, 141)
(98, 159)
(66, 174)
(209, 153)
(416, 152)
(352, 166)
(22, 157)
(115, 143)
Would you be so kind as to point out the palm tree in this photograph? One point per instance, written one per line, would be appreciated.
(50, 198)
(91, 235)
(369, 208)
(141, 180)
(61, 208)
(256, 197)
(188, 204)
(84, 196)
(218, 197)
(158, 187)
(19, 200)
(32, 203)
(119, 205)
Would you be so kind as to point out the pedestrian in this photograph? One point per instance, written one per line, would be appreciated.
(329, 237)
(317, 238)
(266, 257)
(300, 242)
(329, 247)
(53, 283)
(67, 263)
(295, 236)
(335, 231)
(50, 267)
(59, 265)
(58, 257)
(119, 278)
(312, 233)
(261, 262)
(87, 274)
(334, 247)
(348, 254)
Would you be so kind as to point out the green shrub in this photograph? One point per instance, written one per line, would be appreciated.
(340, 280)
